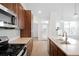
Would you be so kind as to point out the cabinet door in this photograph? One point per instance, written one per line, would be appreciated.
(20, 17)
(14, 7)
(49, 47)
(51, 50)
(28, 22)
(10, 6)
(7, 5)
(26, 32)
(60, 52)
(29, 47)
(54, 49)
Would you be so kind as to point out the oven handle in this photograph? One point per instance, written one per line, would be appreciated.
(24, 51)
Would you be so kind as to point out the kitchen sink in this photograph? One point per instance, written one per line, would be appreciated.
(65, 42)
(62, 41)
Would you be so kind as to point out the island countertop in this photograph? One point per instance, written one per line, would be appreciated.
(71, 49)
(23, 40)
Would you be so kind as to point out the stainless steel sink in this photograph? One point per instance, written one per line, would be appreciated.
(63, 39)
(60, 39)
(64, 42)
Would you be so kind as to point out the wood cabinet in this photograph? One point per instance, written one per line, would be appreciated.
(20, 17)
(29, 47)
(60, 52)
(26, 32)
(7, 5)
(55, 50)
(10, 6)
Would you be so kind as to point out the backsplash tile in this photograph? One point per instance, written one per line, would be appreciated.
(11, 33)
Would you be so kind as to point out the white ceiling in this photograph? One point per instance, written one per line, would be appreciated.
(60, 9)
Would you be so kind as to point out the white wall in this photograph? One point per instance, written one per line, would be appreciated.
(35, 26)
(34, 30)
(52, 25)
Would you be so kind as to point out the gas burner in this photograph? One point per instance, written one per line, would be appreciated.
(7, 49)
(11, 49)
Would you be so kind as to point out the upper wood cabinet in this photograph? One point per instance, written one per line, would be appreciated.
(26, 32)
(10, 6)
(21, 16)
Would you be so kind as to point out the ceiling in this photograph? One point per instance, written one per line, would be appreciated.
(60, 9)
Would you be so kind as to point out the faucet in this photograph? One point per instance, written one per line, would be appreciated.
(65, 35)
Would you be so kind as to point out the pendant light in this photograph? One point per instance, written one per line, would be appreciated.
(75, 11)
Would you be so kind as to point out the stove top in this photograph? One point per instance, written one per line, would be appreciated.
(11, 49)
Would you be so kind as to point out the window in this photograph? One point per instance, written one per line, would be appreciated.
(70, 27)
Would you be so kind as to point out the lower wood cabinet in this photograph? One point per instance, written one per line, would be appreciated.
(60, 52)
(54, 50)
(29, 47)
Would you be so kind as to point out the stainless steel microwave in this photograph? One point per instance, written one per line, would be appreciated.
(7, 18)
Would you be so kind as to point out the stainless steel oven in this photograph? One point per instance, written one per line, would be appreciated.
(7, 49)
(23, 52)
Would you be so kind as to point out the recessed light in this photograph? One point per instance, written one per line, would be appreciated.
(39, 11)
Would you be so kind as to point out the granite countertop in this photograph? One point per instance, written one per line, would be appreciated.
(71, 49)
(23, 40)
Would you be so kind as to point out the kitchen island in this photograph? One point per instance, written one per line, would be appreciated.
(56, 48)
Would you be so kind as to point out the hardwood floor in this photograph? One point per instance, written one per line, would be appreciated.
(40, 48)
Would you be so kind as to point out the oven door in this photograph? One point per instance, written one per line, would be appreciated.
(23, 52)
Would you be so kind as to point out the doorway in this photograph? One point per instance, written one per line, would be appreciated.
(42, 29)
(39, 28)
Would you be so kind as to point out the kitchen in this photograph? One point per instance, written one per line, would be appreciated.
(39, 29)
